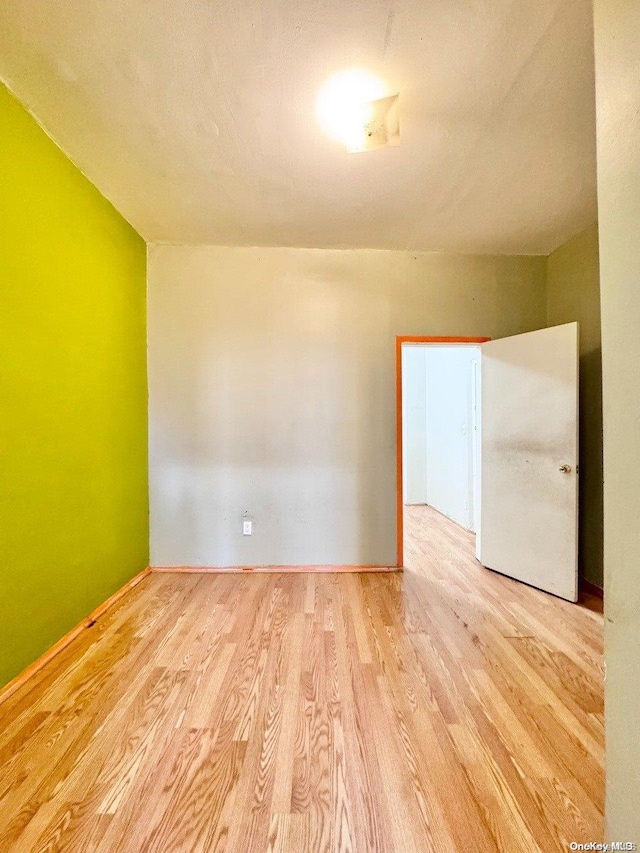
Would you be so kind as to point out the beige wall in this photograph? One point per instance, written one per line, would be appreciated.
(272, 391)
(573, 293)
(617, 48)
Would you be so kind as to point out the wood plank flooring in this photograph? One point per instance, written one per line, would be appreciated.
(443, 709)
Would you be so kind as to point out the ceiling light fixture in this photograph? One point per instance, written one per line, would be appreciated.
(352, 109)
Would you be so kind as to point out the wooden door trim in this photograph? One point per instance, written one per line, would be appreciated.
(591, 588)
(413, 339)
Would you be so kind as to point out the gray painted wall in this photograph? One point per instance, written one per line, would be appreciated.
(617, 43)
(272, 391)
(573, 293)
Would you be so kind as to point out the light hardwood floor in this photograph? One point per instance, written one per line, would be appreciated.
(445, 708)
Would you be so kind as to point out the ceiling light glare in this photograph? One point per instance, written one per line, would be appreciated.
(344, 105)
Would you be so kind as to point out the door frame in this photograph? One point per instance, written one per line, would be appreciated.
(400, 340)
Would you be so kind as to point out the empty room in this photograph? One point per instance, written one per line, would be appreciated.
(319, 346)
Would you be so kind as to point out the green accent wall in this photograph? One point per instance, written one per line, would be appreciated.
(73, 394)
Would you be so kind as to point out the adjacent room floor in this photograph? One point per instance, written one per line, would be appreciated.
(445, 708)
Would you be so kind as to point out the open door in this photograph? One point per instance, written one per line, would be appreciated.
(529, 439)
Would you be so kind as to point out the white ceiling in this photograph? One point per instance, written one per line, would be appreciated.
(196, 117)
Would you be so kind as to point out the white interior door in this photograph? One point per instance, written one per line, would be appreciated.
(475, 443)
(529, 426)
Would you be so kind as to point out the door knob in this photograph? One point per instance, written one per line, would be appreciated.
(565, 469)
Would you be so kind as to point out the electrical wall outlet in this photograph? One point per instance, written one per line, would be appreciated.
(247, 527)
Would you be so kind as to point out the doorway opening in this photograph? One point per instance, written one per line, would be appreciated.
(529, 456)
(438, 465)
